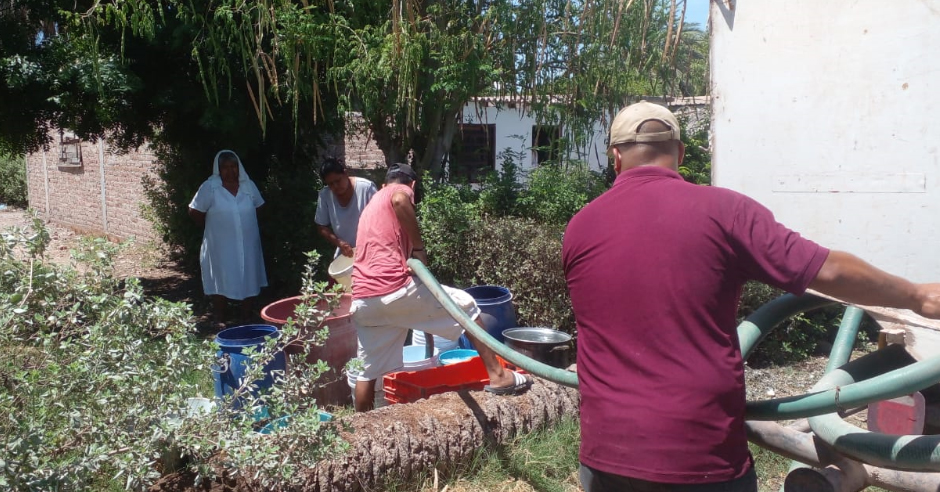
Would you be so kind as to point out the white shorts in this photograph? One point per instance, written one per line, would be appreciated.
(382, 324)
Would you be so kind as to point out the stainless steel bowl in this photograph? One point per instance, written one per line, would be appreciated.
(542, 344)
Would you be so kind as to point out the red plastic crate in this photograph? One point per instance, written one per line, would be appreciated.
(407, 387)
(411, 386)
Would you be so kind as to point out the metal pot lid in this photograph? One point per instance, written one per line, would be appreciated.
(536, 335)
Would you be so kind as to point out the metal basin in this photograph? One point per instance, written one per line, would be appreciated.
(542, 344)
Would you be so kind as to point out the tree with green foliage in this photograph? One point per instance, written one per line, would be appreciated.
(408, 67)
(273, 79)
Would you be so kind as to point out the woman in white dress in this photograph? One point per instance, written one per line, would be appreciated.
(231, 259)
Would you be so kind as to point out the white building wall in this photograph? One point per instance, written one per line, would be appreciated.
(514, 132)
(829, 114)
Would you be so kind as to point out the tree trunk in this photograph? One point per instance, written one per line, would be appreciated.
(440, 146)
(405, 442)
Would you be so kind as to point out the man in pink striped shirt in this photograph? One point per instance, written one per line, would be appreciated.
(388, 300)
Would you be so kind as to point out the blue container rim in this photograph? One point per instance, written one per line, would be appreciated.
(489, 294)
(246, 335)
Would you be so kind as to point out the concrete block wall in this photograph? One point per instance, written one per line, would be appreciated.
(103, 195)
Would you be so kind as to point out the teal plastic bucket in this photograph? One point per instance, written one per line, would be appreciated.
(230, 368)
(497, 311)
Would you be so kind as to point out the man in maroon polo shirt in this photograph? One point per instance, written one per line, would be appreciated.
(655, 268)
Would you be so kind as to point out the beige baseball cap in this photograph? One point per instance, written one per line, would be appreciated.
(628, 121)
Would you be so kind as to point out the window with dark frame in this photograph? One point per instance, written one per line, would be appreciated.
(70, 149)
(473, 152)
(545, 143)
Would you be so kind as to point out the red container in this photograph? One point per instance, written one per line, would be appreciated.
(338, 349)
(408, 387)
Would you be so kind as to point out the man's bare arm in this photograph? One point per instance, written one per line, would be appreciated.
(851, 279)
(405, 211)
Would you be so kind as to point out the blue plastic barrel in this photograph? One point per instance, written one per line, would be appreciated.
(497, 312)
(232, 363)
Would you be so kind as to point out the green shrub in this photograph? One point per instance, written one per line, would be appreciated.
(92, 373)
(13, 181)
(554, 193)
(697, 165)
(525, 257)
(447, 214)
(509, 233)
(468, 248)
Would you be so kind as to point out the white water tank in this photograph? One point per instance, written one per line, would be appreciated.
(829, 114)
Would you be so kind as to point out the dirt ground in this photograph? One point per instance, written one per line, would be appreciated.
(161, 276)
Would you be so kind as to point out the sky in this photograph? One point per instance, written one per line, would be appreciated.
(697, 11)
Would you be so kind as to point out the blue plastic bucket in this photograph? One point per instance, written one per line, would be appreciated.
(497, 313)
(232, 364)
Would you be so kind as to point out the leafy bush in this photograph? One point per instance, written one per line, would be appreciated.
(509, 233)
(554, 193)
(12, 181)
(697, 165)
(92, 373)
(524, 256)
(447, 214)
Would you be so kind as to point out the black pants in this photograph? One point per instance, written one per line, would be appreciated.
(597, 481)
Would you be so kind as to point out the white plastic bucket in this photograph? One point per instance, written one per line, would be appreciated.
(341, 270)
(440, 343)
(378, 397)
(414, 358)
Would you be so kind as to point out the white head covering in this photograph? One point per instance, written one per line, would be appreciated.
(242, 175)
(216, 179)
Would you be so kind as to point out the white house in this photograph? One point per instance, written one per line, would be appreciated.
(493, 127)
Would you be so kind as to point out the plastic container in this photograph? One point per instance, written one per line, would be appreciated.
(379, 395)
(440, 343)
(194, 407)
(339, 348)
(497, 311)
(411, 386)
(229, 370)
(414, 358)
(341, 270)
(456, 356)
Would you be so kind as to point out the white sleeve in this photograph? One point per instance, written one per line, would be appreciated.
(203, 199)
(322, 216)
(256, 198)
